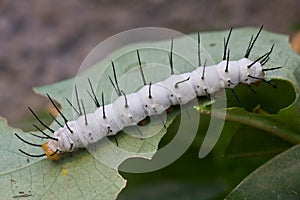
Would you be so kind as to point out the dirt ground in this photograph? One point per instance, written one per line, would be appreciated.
(44, 41)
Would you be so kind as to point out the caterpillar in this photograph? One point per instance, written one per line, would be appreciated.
(152, 99)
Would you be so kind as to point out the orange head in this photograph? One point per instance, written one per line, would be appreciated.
(51, 154)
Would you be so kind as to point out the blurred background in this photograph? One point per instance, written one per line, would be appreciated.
(42, 42)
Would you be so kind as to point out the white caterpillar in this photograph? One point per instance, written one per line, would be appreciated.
(151, 99)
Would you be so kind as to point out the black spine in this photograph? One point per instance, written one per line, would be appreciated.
(141, 69)
(251, 43)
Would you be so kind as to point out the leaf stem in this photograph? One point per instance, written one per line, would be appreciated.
(263, 122)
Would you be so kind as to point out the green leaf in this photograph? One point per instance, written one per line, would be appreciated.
(78, 177)
(83, 176)
(277, 117)
(168, 190)
(277, 179)
(248, 141)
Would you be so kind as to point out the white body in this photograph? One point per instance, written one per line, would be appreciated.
(164, 94)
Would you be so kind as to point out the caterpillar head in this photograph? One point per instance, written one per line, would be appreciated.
(53, 155)
(250, 71)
